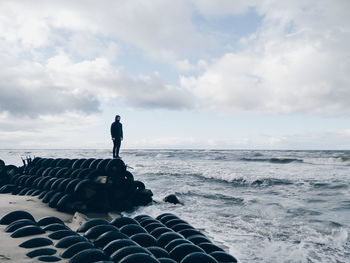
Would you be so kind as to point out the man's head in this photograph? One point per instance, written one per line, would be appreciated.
(117, 118)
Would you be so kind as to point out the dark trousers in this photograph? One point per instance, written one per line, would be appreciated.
(116, 147)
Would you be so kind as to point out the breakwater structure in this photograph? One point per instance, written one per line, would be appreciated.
(142, 239)
(98, 185)
(70, 185)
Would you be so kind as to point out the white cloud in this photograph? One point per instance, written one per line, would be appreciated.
(298, 61)
(60, 85)
(162, 28)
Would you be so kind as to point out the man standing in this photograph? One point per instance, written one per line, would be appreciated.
(117, 136)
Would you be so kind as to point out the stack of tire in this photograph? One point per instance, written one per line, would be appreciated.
(84, 185)
(165, 239)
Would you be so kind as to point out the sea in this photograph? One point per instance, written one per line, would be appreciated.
(260, 205)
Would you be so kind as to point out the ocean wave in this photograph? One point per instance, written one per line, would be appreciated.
(271, 182)
(216, 196)
(272, 160)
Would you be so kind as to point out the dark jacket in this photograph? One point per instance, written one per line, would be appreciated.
(117, 130)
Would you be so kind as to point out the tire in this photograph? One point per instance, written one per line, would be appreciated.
(76, 248)
(36, 242)
(144, 240)
(91, 223)
(130, 230)
(115, 245)
(18, 224)
(27, 231)
(14, 216)
(98, 230)
(122, 221)
(108, 237)
(89, 256)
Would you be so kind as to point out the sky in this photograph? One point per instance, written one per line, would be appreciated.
(208, 74)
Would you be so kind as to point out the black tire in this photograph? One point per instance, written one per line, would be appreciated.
(148, 221)
(122, 221)
(172, 244)
(159, 252)
(63, 203)
(40, 184)
(49, 259)
(74, 174)
(181, 251)
(24, 191)
(102, 164)
(115, 167)
(166, 260)
(56, 183)
(76, 248)
(91, 223)
(46, 171)
(77, 164)
(181, 226)
(165, 238)
(35, 160)
(18, 224)
(107, 237)
(126, 251)
(89, 256)
(40, 171)
(41, 252)
(115, 245)
(144, 240)
(130, 230)
(55, 162)
(61, 173)
(71, 186)
(160, 230)
(61, 234)
(36, 192)
(27, 231)
(139, 185)
(55, 227)
(86, 163)
(42, 194)
(166, 218)
(54, 171)
(98, 230)
(36, 181)
(152, 226)
(199, 257)
(14, 216)
(8, 188)
(30, 181)
(55, 199)
(30, 192)
(47, 197)
(48, 162)
(69, 241)
(84, 172)
(36, 242)
(63, 184)
(95, 163)
(139, 257)
(141, 217)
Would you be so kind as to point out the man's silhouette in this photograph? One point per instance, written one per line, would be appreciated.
(117, 136)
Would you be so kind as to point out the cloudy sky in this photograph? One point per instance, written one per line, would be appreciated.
(238, 74)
